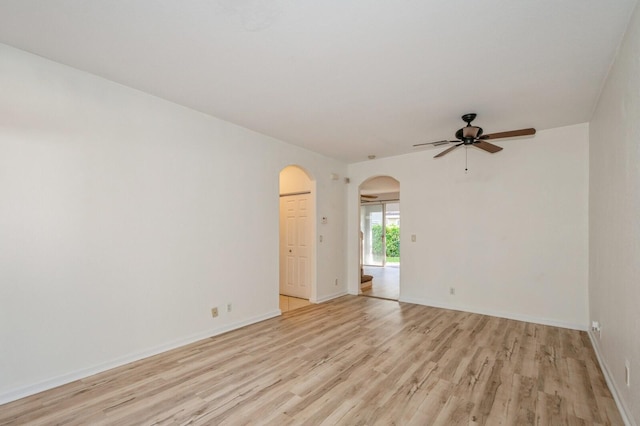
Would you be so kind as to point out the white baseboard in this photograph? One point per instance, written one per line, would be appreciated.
(330, 297)
(624, 411)
(54, 382)
(508, 315)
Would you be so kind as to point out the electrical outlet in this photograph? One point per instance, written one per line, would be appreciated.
(452, 291)
(229, 307)
(627, 373)
(214, 312)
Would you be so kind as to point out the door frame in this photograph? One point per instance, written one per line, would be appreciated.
(313, 293)
(354, 286)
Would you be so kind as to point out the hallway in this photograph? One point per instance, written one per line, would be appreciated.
(386, 281)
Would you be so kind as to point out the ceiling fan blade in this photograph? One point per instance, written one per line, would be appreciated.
(437, 143)
(489, 147)
(510, 134)
(446, 151)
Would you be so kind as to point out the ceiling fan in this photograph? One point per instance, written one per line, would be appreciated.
(472, 135)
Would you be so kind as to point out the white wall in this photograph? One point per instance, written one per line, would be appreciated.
(614, 221)
(293, 179)
(510, 236)
(124, 218)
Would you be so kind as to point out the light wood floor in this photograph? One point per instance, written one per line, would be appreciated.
(289, 303)
(386, 282)
(354, 360)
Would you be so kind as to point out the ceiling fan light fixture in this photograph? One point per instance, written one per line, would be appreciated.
(471, 132)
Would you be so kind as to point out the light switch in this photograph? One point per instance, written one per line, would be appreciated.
(413, 238)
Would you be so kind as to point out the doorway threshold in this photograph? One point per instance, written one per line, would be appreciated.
(377, 297)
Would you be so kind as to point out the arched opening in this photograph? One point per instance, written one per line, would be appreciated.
(380, 237)
(297, 238)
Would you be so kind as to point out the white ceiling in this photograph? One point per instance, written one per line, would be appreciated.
(346, 78)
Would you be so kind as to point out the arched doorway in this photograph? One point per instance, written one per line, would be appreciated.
(297, 238)
(380, 237)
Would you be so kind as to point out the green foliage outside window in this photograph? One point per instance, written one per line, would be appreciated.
(393, 240)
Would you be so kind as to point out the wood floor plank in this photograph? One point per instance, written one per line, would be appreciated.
(584, 404)
(551, 409)
(404, 400)
(438, 394)
(456, 411)
(350, 361)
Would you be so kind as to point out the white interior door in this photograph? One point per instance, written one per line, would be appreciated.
(295, 245)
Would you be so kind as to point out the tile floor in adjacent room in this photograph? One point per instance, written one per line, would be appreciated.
(288, 303)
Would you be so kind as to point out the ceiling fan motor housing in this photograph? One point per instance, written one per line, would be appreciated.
(468, 118)
(469, 133)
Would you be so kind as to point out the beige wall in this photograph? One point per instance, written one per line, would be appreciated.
(614, 222)
(125, 218)
(510, 235)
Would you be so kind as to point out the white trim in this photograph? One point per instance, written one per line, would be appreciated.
(508, 315)
(625, 413)
(330, 297)
(44, 385)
